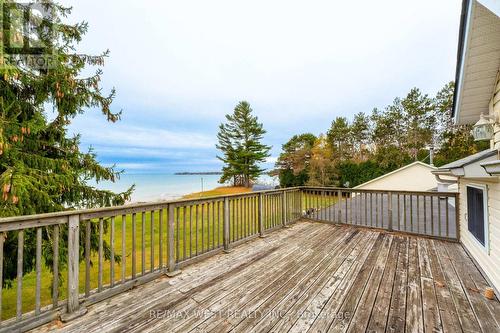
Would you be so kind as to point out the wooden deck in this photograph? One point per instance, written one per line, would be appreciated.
(311, 277)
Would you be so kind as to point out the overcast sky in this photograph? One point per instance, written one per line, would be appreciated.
(180, 66)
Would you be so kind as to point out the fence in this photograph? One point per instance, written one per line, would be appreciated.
(94, 254)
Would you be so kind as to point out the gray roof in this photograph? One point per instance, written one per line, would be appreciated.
(469, 159)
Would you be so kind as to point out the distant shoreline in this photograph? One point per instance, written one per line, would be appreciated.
(209, 173)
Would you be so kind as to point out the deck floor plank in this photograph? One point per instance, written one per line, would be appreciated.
(430, 307)
(241, 300)
(267, 295)
(447, 309)
(359, 321)
(330, 311)
(311, 303)
(468, 320)
(350, 305)
(305, 279)
(380, 310)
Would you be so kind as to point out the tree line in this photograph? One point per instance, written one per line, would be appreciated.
(352, 152)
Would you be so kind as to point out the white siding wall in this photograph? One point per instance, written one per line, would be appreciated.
(413, 178)
(488, 259)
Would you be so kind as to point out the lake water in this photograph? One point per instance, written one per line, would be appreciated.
(154, 187)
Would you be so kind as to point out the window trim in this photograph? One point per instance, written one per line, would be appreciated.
(484, 188)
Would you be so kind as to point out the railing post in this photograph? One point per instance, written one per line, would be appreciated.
(389, 211)
(261, 217)
(301, 202)
(226, 226)
(172, 271)
(73, 307)
(339, 206)
(283, 208)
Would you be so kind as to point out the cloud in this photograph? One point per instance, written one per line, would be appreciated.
(147, 136)
(300, 64)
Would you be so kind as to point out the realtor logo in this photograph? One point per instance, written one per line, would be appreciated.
(26, 29)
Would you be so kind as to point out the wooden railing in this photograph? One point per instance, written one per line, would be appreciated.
(423, 213)
(97, 253)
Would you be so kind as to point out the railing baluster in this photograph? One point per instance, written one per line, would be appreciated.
(160, 239)
(439, 216)
(177, 237)
(218, 223)
(389, 211)
(152, 239)
(418, 213)
(20, 255)
(55, 268)
(208, 226)
(411, 212)
(261, 218)
(88, 229)
(143, 243)
(425, 215)
(190, 231)
(382, 210)
(112, 247)
(124, 254)
(348, 207)
(371, 209)
(100, 255)
(202, 227)
(38, 269)
(404, 209)
(184, 232)
(432, 215)
(213, 223)
(196, 234)
(134, 246)
(226, 224)
(365, 223)
(399, 213)
(447, 219)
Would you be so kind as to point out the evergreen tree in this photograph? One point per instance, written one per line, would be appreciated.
(293, 163)
(240, 143)
(419, 121)
(339, 139)
(41, 167)
(360, 134)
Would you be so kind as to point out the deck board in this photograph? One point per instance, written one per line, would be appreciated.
(311, 277)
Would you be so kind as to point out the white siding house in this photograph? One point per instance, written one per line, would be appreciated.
(478, 92)
(416, 176)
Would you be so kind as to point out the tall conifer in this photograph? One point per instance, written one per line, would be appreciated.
(240, 143)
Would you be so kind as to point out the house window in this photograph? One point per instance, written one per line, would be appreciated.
(477, 221)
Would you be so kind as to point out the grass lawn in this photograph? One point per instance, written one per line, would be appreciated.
(224, 190)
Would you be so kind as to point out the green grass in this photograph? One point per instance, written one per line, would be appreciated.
(209, 235)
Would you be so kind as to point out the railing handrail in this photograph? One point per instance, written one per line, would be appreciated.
(327, 188)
